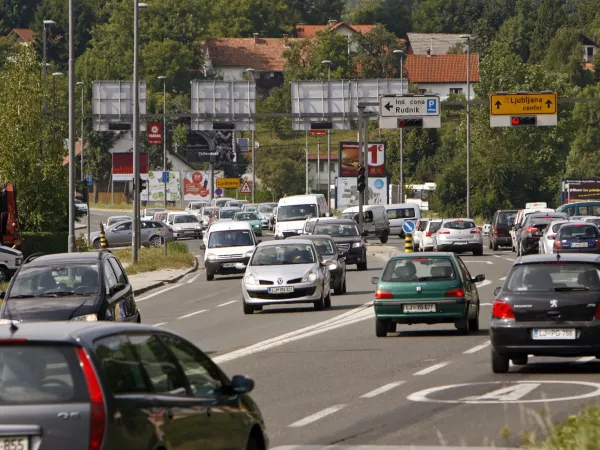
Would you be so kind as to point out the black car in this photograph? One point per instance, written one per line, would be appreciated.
(577, 238)
(337, 263)
(549, 305)
(87, 287)
(529, 233)
(502, 222)
(107, 386)
(347, 238)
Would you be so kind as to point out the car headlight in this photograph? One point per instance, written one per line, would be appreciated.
(211, 257)
(310, 276)
(177, 228)
(357, 244)
(86, 318)
(332, 266)
(250, 278)
(198, 227)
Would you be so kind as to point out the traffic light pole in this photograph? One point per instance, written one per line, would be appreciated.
(361, 110)
(366, 156)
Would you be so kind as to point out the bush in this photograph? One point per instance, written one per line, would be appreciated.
(577, 432)
(45, 242)
(151, 259)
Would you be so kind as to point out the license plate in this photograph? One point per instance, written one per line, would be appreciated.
(579, 244)
(281, 290)
(14, 443)
(460, 243)
(419, 308)
(553, 333)
(228, 265)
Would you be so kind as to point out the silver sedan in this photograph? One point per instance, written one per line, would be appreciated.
(286, 272)
(152, 232)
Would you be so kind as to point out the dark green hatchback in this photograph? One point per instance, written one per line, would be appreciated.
(436, 288)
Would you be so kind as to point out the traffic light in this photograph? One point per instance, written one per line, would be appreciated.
(361, 179)
(410, 123)
(143, 184)
(523, 121)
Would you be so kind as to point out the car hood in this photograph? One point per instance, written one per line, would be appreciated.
(286, 272)
(291, 225)
(347, 239)
(41, 309)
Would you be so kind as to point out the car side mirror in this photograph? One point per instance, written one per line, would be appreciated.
(202, 246)
(497, 290)
(374, 280)
(2, 295)
(241, 384)
(478, 278)
(117, 288)
(240, 266)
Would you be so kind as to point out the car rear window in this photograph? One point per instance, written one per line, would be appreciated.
(419, 269)
(553, 276)
(400, 213)
(423, 225)
(506, 219)
(434, 227)
(460, 225)
(578, 232)
(557, 226)
(40, 375)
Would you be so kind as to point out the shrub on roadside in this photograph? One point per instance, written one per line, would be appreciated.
(178, 257)
(45, 242)
(577, 432)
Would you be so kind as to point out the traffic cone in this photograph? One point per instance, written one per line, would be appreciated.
(408, 246)
(102, 237)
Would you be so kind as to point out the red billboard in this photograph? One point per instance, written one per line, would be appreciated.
(154, 133)
(317, 132)
(349, 158)
(122, 166)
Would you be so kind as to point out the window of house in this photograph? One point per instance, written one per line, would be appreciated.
(422, 91)
(456, 90)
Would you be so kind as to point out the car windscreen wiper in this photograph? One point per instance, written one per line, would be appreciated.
(60, 294)
(22, 296)
(566, 288)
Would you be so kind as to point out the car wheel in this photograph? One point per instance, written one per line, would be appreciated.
(328, 300)
(253, 444)
(96, 243)
(495, 247)
(381, 328)
(320, 304)
(392, 327)
(4, 275)
(478, 251)
(490, 244)
(384, 237)
(155, 242)
(210, 276)
(474, 323)
(499, 362)
(361, 266)
(462, 326)
(520, 360)
(248, 309)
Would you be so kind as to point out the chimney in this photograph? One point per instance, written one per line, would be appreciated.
(428, 52)
(255, 38)
(331, 22)
(285, 40)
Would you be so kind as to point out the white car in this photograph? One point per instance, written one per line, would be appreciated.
(486, 229)
(426, 236)
(458, 235)
(591, 219)
(546, 243)
(79, 205)
(416, 235)
(186, 225)
(196, 207)
(10, 261)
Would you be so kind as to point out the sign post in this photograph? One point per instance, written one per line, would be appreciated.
(90, 182)
(524, 109)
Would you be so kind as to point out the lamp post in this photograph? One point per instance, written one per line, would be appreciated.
(328, 64)
(135, 126)
(164, 79)
(250, 73)
(82, 84)
(468, 38)
(400, 54)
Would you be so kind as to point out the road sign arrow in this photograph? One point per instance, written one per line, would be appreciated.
(548, 103)
(388, 106)
(498, 104)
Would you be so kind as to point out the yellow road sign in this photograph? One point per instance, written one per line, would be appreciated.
(228, 183)
(528, 104)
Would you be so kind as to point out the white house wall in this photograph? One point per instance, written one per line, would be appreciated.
(443, 89)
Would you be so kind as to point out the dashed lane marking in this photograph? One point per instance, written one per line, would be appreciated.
(317, 416)
(483, 284)
(382, 389)
(510, 259)
(502, 279)
(226, 303)
(162, 291)
(477, 348)
(185, 316)
(431, 369)
(160, 324)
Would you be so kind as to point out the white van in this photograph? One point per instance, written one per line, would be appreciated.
(375, 223)
(293, 211)
(225, 245)
(398, 213)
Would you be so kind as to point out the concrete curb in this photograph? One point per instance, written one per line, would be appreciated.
(164, 282)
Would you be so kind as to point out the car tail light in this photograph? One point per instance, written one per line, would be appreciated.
(456, 292)
(496, 231)
(502, 310)
(557, 244)
(383, 294)
(428, 234)
(476, 231)
(97, 411)
(12, 341)
(170, 230)
(598, 243)
(531, 230)
(444, 231)
(597, 313)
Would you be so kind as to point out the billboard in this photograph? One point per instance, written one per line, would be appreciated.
(580, 189)
(207, 146)
(156, 188)
(154, 133)
(349, 152)
(347, 194)
(122, 166)
(196, 185)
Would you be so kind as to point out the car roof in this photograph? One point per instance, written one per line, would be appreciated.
(75, 257)
(553, 257)
(417, 256)
(119, 217)
(310, 237)
(229, 225)
(303, 240)
(231, 208)
(458, 219)
(336, 220)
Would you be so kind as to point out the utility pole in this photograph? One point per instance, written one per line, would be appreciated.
(164, 133)
(306, 153)
(71, 239)
(468, 38)
(250, 73)
(361, 161)
(328, 63)
(400, 53)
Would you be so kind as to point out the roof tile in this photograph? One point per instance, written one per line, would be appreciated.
(267, 54)
(441, 68)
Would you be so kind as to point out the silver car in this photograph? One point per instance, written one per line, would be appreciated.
(187, 226)
(115, 219)
(286, 272)
(152, 234)
(265, 213)
(546, 243)
(458, 235)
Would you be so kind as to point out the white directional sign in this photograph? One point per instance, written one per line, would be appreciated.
(409, 106)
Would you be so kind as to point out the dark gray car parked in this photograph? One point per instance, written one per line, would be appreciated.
(105, 386)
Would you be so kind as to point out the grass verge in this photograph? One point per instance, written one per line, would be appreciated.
(150, 259)
(577, 432)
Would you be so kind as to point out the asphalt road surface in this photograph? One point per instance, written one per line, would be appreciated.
(323, 378)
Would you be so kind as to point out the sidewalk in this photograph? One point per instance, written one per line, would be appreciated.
(143, 282)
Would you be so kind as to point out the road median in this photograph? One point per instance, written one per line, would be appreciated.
(382, 250)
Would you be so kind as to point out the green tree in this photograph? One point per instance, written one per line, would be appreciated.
(584, 155)
(394, 14)
(8, 48)
(242, 18)
(516, 31)
(374, 56)
(281, 175)
(446, 16)
(316, 11)
(564, 55)
(16, 14)
(32, 148)
(550, 18)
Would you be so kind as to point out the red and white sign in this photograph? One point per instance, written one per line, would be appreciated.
(245, 188)
(349, 152)
(122, 166)
(154, 133)
(317, 132)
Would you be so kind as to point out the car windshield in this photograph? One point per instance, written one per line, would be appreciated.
(296, 212)
(221, 202)
(553, 276)
(245, 216)
(207, 211)
(55, 281)
(418, 269)
(400, 213)
(185, 219)
(227, 213)
(250, 208)
(557, 226)
(460, 225)
(235, 204)
(265, 209)
(276, 255)
(578, 232)
(325, 247)
(336, 230)
(230, 238)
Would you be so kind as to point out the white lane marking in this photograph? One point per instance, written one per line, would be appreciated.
(485, 304)
(477, 348)
(157, 293)
(316, 416)
(502, 279)
(487, 262)
(359, 314)
(510, 259)
(505, 394)
(160, 324)
(193, 279)
(484, 283)
(226, 303)
(498, 256)
(585, 359)
(192, 314)
(431, 369)
(382, 389)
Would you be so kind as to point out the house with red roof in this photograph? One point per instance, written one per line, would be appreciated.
(25, 36)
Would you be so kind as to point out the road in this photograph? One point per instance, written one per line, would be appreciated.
(324, 378)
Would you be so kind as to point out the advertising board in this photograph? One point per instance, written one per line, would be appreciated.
(347, 194)
(122, 166)
(349, 152)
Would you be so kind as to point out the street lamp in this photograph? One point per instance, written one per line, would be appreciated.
(250, 71)
(328, 64)
(468, 38)
(135, 236)
(81, 83)
(400, 54)
(164, 79)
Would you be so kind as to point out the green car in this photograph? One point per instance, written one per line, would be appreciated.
(436, 288)
(251, 217)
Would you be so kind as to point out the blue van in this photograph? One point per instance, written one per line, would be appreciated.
(580, 209)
